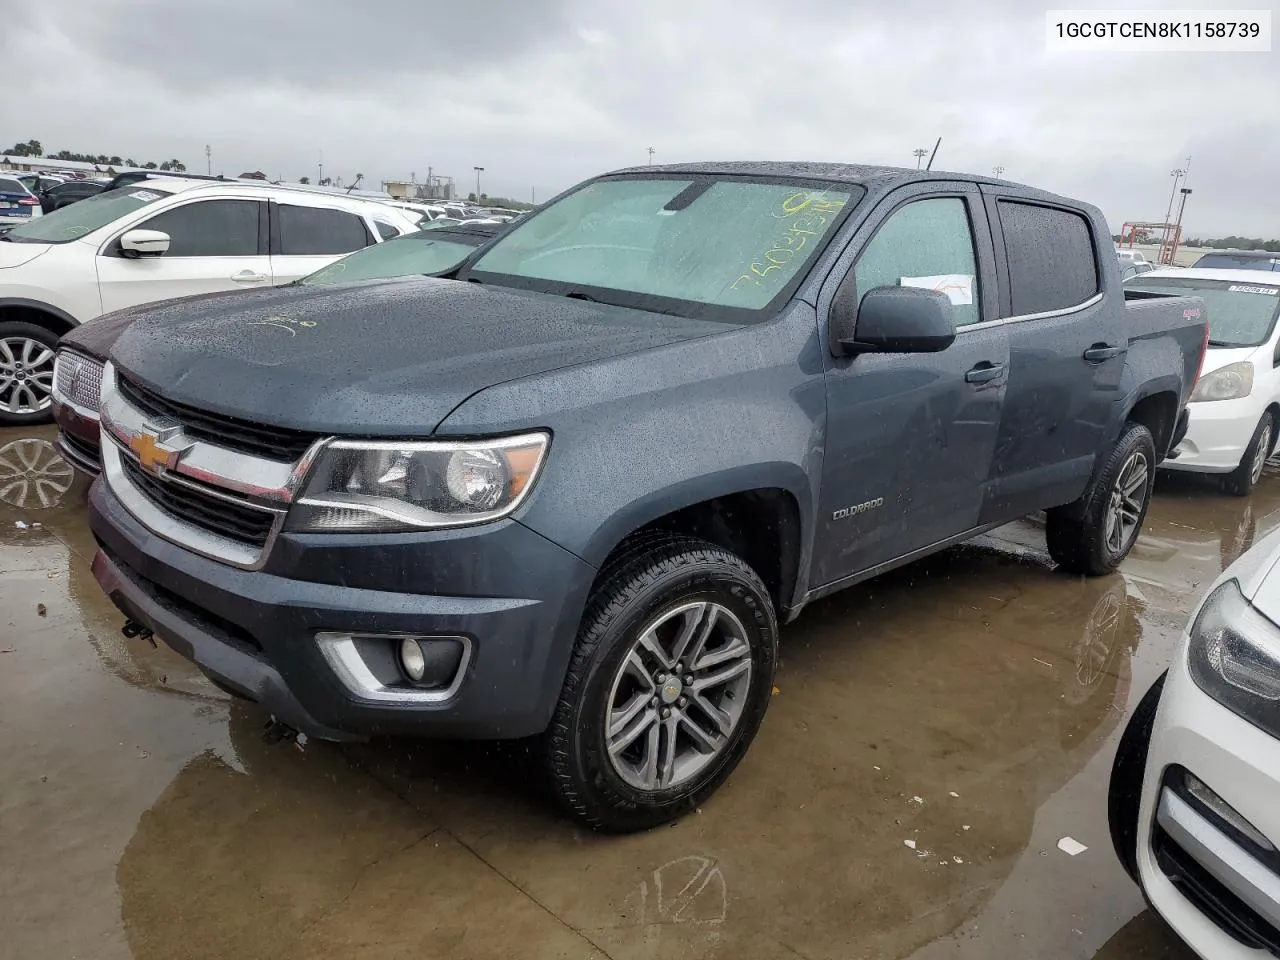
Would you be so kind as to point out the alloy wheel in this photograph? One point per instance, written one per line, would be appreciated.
(678, 696)
(1260, 455)
(1128, 498)
(26, 375)
(32, 475)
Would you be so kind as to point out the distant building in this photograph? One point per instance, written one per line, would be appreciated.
(433, 188)
(70, 167)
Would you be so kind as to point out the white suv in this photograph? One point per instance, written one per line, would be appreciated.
(155, 240)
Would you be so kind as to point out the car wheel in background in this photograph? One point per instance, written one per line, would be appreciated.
(671, 676)
(1094, 534)
(26, 373)
(1124, 794)
(1243, 478)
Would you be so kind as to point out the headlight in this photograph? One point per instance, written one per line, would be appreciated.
(1235, 657)
(1231, 382)
(384, 486)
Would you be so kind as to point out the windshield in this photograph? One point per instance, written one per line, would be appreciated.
(80, 219)
(416, 253)
(1240, 314)
(724, 243)
(1234, 262)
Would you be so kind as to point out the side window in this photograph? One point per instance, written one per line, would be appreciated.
(210, 228)
(307, 231)
(1051, 257)
(927, 243)
(385, 230)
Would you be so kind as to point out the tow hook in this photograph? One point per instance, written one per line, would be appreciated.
(276, 732)
(132, 628)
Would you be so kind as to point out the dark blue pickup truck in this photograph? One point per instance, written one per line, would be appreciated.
(572, 490)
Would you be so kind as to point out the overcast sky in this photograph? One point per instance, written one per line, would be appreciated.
(543, 93)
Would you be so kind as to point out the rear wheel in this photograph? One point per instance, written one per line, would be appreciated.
(26, 373)
(1094, 534)
(1124, 795)
(1243, 478)
(670, 679)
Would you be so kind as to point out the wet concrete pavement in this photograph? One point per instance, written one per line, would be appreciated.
(968, 704)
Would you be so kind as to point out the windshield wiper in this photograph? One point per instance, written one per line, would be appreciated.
(1224, 343)
(579, 295)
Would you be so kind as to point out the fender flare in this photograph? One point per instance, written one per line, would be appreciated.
(48, 308)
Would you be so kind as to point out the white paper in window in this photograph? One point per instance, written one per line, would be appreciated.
(957, 286)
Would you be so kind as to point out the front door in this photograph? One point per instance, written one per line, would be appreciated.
(214, 245)
(1066, 356)
(910, 436)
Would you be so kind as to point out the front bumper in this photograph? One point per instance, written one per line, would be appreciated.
(1209, 887)
(1218, 433)
(78, 438)
(515, 595)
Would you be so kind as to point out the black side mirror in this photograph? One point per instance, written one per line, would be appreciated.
(893, 320)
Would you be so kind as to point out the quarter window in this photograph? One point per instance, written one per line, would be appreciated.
(927, 243)
(386, 231)
(210, 228)
(310, 231)
(1051, 258)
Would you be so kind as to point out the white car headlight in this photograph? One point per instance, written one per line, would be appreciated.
(1234, 657)
(389, 485)
(1231, 382)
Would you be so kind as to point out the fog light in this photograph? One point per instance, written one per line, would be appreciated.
(412, 660)
(1225, 812)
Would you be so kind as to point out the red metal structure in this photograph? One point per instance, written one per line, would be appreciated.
(1170, 237)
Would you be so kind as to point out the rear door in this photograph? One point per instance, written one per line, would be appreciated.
(307, 235)
(909, 437)
(1066, 353)
(214, 245)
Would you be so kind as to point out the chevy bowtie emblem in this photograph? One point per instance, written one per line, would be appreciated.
(154, 450)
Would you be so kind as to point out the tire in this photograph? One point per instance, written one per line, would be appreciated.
(1243, 478)
(1081, 536)
(26, 373)
(667, 587)
(1124, 794)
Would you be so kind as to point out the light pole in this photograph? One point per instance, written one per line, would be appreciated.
(478, 170)
(1177, 230)
(997, 170)
(919, 153)
(208, 159)
(651, 156)
(1176, 174)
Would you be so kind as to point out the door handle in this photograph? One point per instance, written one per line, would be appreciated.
(248, 276)
(984, 372)
(1103, 351)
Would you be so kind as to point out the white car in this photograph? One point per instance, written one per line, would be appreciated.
(1194, 804)
(1130, 256)
(162, 238)
(1235, 407)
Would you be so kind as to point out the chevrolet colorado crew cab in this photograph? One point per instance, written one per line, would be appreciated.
(572, 490)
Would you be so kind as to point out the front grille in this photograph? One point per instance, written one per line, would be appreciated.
(243, 524)
(1228, 912)
(79, 379)
(270, 443)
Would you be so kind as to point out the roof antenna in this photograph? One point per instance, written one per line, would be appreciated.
(929, 165)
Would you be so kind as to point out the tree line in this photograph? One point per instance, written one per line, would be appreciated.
(34, 148)
(1236, 243)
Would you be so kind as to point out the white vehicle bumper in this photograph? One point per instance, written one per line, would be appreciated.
(1241, 764)
(1218, 434)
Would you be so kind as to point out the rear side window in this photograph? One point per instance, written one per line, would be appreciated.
(1051, 257)
(8, 185)
(308, 231)
(210, 228)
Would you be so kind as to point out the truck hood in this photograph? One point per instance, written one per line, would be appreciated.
(378, 359)
(13, 254)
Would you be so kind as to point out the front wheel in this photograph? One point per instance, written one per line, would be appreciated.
(26, 373)
(1094, 534)
(671, 676)
(1243, 478)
